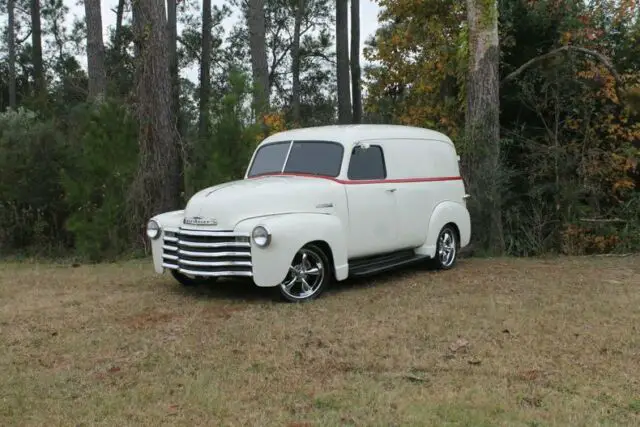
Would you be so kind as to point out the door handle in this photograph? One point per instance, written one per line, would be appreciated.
(391, 190)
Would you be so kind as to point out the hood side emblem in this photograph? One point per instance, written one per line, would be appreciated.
(324, 205)
(198, 220)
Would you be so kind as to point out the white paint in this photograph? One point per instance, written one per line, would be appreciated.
(372, 223)
(354, 219)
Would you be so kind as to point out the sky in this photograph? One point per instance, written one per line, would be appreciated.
(368, 23)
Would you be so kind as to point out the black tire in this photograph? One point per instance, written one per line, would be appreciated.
(188, 281)
(447, 248)
(316, 259)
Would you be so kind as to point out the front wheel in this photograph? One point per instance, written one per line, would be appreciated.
(308, 276)
(190, 280)
(446, 248)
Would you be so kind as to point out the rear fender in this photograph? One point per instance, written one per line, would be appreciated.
(444, 213)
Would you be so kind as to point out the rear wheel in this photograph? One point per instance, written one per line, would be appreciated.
(308, 276)
(446, 248)
(191, 280)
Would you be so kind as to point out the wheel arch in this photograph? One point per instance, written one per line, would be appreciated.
(326, 248)
(456, 230)
(447, 213)
(291, 232)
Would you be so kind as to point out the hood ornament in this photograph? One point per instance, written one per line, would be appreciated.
(198, 220)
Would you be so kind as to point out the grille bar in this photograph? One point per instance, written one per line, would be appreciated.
(207, 253)
(213, 244)
(214, 263)
(214, 254)
(205, 233)
(216, 273)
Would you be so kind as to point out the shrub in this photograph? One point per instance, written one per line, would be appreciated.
(104, 151)
(32, 208)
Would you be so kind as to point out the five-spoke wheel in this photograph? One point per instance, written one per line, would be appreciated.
(446, 248)
(308, 275)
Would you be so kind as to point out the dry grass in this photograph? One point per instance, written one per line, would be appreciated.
(493, 342)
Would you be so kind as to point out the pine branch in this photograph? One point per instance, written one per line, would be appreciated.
(588, 52)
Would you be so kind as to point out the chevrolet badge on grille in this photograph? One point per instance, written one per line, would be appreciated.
(198, 220)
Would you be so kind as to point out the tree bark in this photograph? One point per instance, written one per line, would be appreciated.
(482, 124)
(295, 62)
(119, 19)
(174, 73)
(259, 64)
(172, 30)
(355, 61)
(342, 62)
(158, 182)
(205, 70)
(95, 50)
(36, 41)
(11, 30)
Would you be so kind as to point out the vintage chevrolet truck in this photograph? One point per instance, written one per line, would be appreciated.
(321, 204)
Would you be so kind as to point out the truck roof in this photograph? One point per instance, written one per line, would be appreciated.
(361, 132)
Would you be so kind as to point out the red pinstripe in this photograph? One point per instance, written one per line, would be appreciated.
(367, 181)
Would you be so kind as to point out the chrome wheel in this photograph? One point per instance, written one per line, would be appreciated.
(447, 247)
(307, 276)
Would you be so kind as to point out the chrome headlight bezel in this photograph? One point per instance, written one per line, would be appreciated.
(153, 230)
(261, 236)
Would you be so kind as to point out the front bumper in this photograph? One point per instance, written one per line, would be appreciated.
(207, 253)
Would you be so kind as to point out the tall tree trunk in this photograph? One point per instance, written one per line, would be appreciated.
(158, 182)
(36, 41)
(295, 63)
(205, 70)
(259, 65)
(482, 124)
(342, 66)
(355, 61)
(95, 50)
(119, 19)
(11, 30)
(174, 73)
(172, 29)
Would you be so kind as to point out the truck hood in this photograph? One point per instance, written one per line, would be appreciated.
(234, 201)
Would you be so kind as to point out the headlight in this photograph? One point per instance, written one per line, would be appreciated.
(261, 236)
(153, 230)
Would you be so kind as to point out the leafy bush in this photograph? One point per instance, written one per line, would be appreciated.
(32, 208)
(104, 156)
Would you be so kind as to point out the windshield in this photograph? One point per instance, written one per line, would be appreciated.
(308, 157)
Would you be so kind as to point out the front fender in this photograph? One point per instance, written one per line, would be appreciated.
(289, 233)
(444, 213)
(166, 220)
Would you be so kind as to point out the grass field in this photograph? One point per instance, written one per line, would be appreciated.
(530, 342)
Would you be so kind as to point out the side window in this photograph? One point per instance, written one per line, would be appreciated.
(367, 164)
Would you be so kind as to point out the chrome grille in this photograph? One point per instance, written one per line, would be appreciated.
(207, 253)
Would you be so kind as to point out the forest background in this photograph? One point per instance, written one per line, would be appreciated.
(541, 97)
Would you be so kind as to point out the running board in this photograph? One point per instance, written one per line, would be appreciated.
(372, 265)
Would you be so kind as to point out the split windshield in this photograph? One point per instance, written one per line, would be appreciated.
(308, 157)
